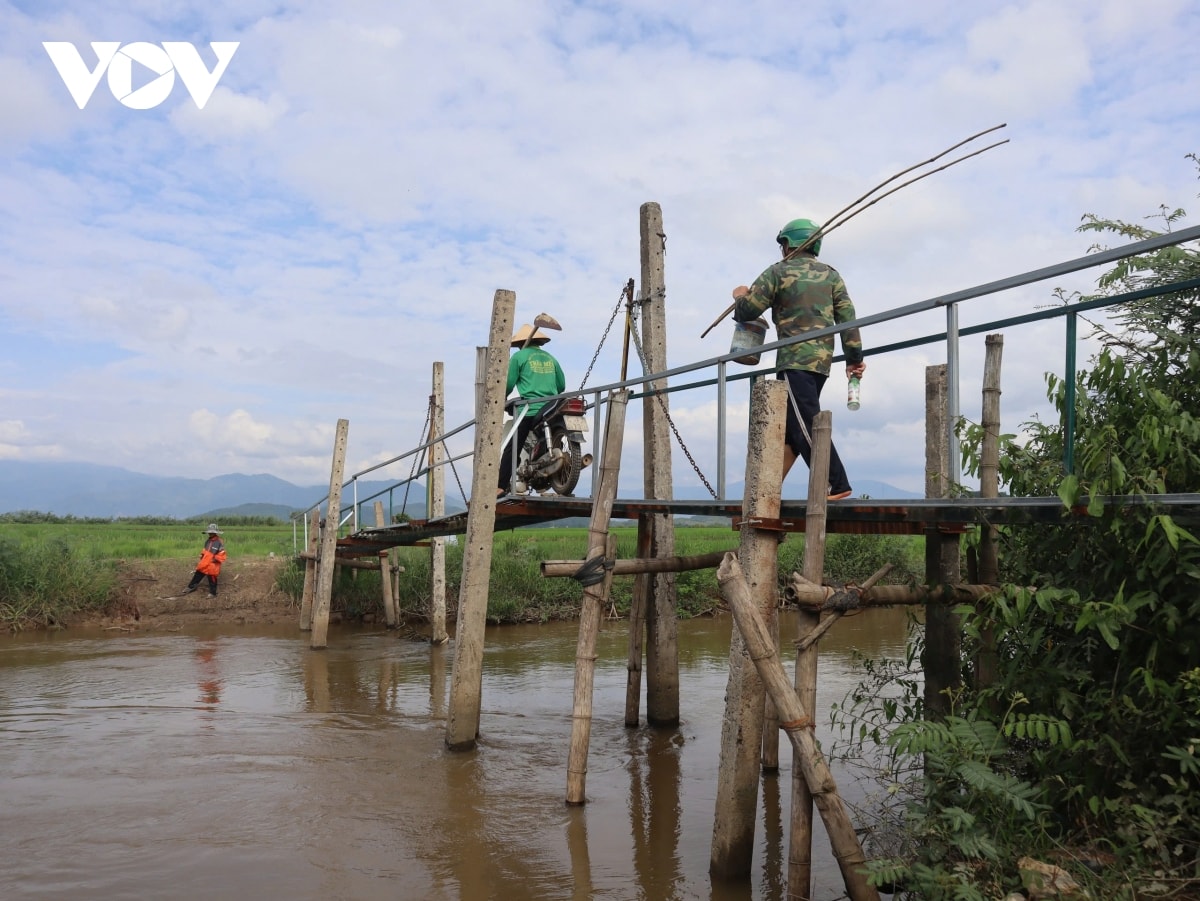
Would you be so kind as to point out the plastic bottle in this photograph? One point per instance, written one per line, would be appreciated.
(853, 393)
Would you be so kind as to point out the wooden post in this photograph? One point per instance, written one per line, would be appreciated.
(798, 724)
(310, 570)
(637, 627)
(390, 614)
(745, 697)
(943, 636)
(594, 598)
(466, 682)
(328, 545)
(662, 650)
(437, 507)
(986, 664)
(800, 845)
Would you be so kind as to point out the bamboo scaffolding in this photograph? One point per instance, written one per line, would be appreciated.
(799, 728)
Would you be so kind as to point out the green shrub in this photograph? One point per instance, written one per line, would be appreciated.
(43, 582)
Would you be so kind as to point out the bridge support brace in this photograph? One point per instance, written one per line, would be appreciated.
(603, 545)
(328, 545)
(800, 842)
(436, 507)
(466, 680)
(310, 570)
(662, 635)
(745, 696)
(943, 627)
(798, 724)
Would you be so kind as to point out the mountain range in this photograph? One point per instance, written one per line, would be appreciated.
(93, 490)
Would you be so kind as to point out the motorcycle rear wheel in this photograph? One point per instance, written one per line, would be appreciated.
(567, 477)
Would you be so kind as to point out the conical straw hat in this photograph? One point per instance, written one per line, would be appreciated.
(523, 335)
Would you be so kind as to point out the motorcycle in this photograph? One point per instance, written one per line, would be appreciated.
(552, 457)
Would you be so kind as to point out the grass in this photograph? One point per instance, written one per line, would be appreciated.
(49, 570)
(43, 582)
(120, 540)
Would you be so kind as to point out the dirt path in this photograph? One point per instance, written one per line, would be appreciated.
(148, 595)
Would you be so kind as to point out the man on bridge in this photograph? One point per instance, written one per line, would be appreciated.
(804, 294)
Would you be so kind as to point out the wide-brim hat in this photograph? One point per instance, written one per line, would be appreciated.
(523, 334)
(212, 529)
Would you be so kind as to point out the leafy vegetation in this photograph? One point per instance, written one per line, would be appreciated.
(519, 593)
(43, 582)
(1089, 739)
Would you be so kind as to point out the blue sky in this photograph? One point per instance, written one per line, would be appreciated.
(202, 291)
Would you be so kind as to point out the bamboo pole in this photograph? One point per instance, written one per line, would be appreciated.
(437, 507)
(466, 681)
(310, 571)
(986, 663)
(594, 597)
(943, 630)
(328, 545)
(390, 613)
(662, 650)
(800, 845)
(637, 628)
(350, 562)
(814, 635)
(732, 853)
(798, 725)
(817, 597)
(557, 569)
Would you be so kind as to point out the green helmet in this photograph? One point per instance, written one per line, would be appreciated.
(797, 232)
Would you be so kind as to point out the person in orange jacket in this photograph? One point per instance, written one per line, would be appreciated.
(211, 559)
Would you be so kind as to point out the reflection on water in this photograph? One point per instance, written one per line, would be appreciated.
(223, 763)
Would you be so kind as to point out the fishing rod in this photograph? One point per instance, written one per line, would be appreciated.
(852, 209)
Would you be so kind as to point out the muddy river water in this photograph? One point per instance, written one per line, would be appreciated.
(234, 762)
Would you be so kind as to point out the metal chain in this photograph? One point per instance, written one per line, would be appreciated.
(449, 457)
(662, 402)
(425, 429)
(453, 469)
(625, 291)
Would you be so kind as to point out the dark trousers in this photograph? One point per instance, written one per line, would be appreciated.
(524, 427)
(198, 577)
(806, 389)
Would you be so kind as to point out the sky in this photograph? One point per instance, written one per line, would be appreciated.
(190, 291)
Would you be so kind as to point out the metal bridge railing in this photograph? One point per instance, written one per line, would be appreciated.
(951, 336)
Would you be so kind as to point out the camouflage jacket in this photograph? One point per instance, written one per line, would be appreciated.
(803, 294)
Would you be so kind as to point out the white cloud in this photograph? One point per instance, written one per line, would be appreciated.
(207, 291)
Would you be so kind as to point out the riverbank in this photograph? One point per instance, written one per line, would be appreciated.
(147, 596)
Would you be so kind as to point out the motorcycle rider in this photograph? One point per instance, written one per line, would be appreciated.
(534, 373)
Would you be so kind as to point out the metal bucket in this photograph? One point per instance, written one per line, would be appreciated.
(748, 336)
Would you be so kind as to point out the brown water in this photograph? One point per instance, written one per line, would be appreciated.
(235, 762)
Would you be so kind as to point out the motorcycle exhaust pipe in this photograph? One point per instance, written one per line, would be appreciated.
(585, 461)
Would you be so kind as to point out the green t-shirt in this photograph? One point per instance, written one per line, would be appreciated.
(534, 373)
